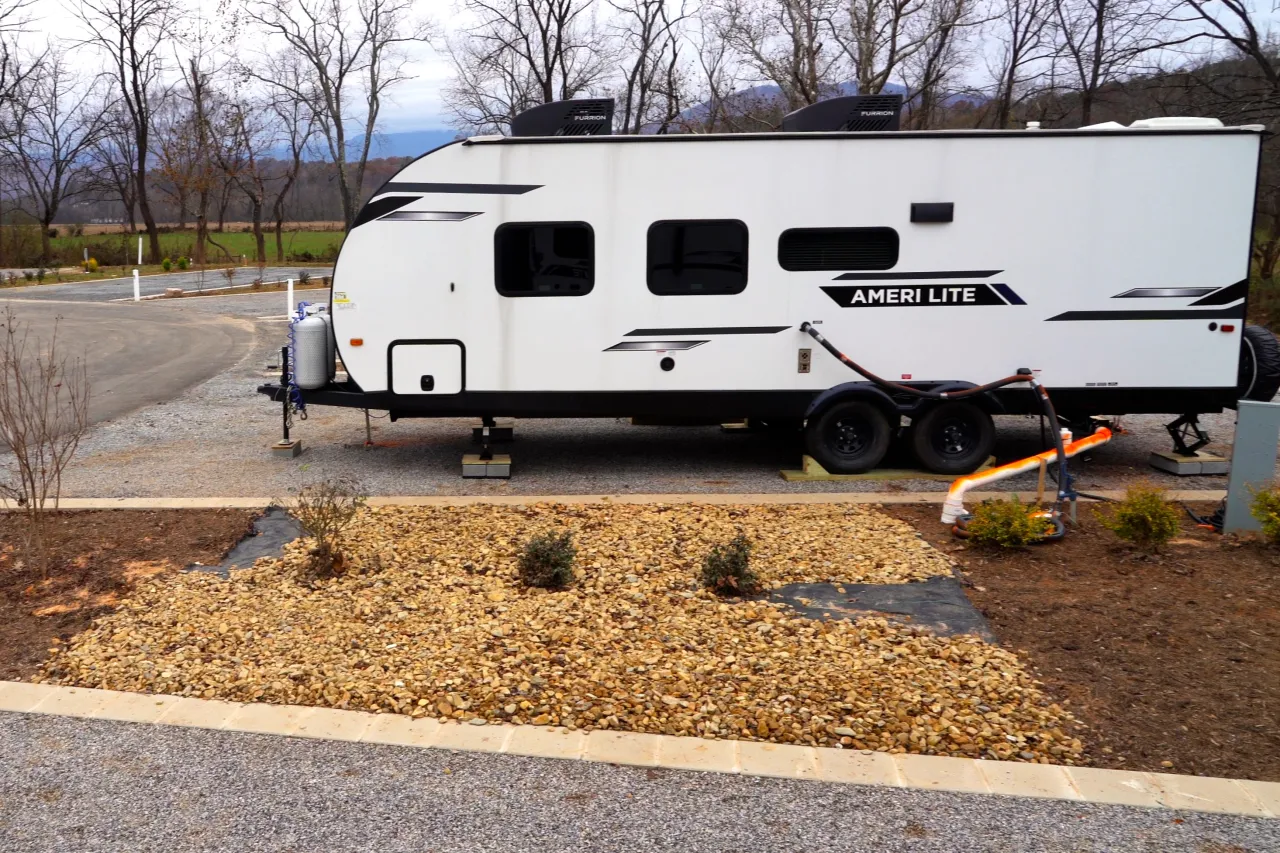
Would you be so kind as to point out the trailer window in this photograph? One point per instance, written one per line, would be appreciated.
(544, 258)
(801, 249)
(706, 256)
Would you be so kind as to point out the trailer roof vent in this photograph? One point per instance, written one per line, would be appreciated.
(850, 113)
(585, 117)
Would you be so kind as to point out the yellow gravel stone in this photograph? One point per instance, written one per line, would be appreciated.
(431, 621)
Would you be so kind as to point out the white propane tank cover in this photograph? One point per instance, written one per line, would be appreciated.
(1170, 122)
(324, 314)
(311, 362)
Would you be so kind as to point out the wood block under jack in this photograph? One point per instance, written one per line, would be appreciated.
(503, 429)
(812, 471)
(497, 468)
(1197, 464)
(287, 449)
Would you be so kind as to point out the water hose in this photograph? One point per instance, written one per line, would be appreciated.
(953, 509)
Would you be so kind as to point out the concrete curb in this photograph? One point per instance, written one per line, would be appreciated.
(524, 500)
(749, 758)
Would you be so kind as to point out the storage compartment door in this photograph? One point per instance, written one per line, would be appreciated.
(427, 367)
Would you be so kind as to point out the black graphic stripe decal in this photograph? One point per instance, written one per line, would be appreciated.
(923, 276)
(429, 215)
(1226, 295)
(380, 207)
(473, 189)
(1164, 292)
(1232, 312)
(1007, 292)
(653, 346)
(710, 330)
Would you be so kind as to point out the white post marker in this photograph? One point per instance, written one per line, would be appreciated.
(137, 293)
(139, 252)
(288, 311)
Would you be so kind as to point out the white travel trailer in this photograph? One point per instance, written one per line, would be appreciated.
(567, 274)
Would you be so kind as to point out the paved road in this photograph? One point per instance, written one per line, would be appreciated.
(78, 785)
(122, 288)
(137, 356)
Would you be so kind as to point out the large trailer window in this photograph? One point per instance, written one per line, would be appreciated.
(544, 258)
(703, 256)
(801, 249)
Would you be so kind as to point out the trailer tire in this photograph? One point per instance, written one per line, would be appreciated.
(954, 437)
(1259, 365)
(848, 437)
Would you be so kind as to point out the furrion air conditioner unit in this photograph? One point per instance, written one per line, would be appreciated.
(861, 113)
(585, 117)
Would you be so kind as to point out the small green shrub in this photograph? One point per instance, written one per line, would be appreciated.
(727, 569)
(1006, 524)
(29, 275)
(183, 263)
(303, 276)
(90, 265)
(1144, 517)
(41, 273)
(1266, 508)
(166, 265)
(547, 560)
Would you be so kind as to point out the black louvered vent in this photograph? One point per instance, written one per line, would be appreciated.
(587, 117)
(852, 113)
(801, 249)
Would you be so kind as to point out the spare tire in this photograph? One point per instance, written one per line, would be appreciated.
(1259, 376)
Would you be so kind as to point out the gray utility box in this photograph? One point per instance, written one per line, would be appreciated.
(1253, 462)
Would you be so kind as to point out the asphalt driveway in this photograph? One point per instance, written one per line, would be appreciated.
(137, 356)
(122, 288)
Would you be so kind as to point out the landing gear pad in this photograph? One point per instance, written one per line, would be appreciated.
(812, 472)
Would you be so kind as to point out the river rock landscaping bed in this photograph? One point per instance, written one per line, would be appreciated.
(431, 621)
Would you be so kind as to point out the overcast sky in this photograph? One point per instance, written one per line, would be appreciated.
(413, 105)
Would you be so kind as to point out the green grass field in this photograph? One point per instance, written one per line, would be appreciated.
(298, 246)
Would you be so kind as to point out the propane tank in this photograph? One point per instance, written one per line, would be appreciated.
(312, 364)
(322, 311)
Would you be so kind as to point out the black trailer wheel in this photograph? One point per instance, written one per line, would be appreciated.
(953, 438)
(1259, 365)
(849, 437)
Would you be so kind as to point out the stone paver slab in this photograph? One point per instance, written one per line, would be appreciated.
(546, 743)
(633, 748)
(941, 773)
(268, 719)
(1266, 793)
(134, 707)
(473, 738)
(402, 730)
(695, 753)
(201, 713)
(1016, 779)
(1206, 794)
(334, 724)
(1115, 787)
(858, 767)
(772, 759)
(21, 696)
(72, 702)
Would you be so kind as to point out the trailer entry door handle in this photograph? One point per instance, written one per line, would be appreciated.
(428, 383)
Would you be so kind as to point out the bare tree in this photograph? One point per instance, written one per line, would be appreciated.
(1021, 33)
(788, 43)
(878, 36)
(247, 138)
(53, 121)
(651, 41)
(112, 163)
(130, 33)
(296, 123)
(1100, 42)
(348, 47)
(521, 53)
(44, 412)
(932, 73)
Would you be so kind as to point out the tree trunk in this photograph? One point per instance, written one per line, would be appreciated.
(148, 219)
(259, 239)
(279, 237)
(45, 249)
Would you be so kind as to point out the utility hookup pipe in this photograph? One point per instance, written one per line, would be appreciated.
(139, 251)
(137, 290)
(288, 311)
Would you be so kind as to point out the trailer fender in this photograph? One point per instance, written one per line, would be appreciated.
(851, 390)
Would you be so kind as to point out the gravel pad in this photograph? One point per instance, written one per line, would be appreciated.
(431, 620)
